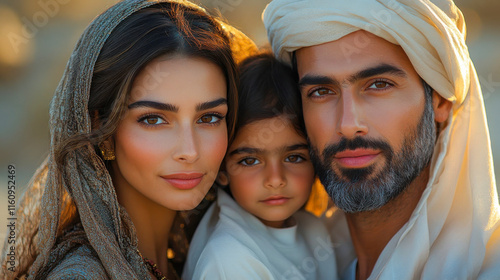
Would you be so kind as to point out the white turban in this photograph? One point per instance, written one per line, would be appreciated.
(454, 231)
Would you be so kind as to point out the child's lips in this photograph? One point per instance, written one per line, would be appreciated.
(275, 200)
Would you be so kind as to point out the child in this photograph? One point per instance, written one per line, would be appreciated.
(259, 231)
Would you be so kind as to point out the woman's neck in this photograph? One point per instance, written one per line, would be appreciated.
(152, 223)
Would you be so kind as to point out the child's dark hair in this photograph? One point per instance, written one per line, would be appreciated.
(268, 88)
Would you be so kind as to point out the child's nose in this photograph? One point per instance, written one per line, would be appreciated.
(275, 175)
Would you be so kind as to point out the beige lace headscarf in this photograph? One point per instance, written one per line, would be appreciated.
(83, 183)
(453, 232)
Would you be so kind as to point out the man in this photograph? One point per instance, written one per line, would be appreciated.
(398, 135)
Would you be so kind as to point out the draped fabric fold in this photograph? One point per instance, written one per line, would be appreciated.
(454, 231)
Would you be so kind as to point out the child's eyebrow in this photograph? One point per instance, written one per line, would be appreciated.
(248, 150)
(245, 150)
(296, 147)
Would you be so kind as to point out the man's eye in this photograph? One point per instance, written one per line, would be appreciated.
(380, 85)
(321, 92)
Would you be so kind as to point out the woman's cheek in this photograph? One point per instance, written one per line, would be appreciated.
(215, 146)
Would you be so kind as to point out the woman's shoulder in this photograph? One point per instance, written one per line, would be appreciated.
(80, 263)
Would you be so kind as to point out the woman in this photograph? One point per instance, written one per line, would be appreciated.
(139, 126)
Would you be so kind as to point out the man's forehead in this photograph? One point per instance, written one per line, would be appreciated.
(351, 53)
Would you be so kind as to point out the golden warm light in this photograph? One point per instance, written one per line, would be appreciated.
(16, 48)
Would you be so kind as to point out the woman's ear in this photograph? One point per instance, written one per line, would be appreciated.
(107, 149)
(441, 107)
(107, 146)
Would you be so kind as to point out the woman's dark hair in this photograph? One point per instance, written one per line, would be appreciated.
(268, 88)
(164, 29)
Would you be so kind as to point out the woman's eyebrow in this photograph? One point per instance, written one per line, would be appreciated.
(155, 105)
(210, 104)
(173, 108)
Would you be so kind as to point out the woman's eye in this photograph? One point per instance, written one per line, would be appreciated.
(321, 92)
(380, 85)
(210, 119)
(152, 120)
(249, 161)
(294, 159)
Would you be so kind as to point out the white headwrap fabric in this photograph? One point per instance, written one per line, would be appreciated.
(454, 231)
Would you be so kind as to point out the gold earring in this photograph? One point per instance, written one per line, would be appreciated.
(107, 154)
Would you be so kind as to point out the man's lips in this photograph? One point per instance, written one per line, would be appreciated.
(357, 158)
(275, 200)
(184, 181)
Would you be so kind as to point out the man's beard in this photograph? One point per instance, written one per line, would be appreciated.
(358, 189)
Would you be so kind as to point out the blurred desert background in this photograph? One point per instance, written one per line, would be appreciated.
(38, 36)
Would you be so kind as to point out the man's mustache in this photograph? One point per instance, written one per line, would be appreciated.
(358, 142)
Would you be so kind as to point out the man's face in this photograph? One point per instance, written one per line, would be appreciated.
(370, 126)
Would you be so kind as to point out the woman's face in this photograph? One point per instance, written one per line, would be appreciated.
(173, 136)
(269, 170)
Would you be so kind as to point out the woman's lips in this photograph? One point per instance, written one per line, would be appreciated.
(184, 181)
(358, 158)
(275, 200)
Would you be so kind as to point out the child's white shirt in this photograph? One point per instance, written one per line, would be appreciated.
(231, 243)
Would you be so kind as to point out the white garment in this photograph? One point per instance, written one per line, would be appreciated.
(242, 247)
(350, 272)
(454, 231)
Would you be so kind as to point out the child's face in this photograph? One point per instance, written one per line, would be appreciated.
(269, 170)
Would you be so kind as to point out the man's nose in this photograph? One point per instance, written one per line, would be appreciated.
(350, 116)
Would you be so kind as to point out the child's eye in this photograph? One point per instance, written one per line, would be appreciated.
(249, 161)
(295, 159)
(151, 120)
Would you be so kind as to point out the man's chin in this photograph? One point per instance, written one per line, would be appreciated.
(354, 175)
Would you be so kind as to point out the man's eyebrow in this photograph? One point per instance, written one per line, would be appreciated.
(154, 105)
(377, 70)
(245, 150)
(363, 74)
(210, 104)
(316, 80)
